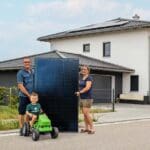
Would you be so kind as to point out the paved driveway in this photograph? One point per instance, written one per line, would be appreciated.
(122, 136)
(124, 112)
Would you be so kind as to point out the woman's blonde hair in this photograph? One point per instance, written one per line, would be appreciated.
(86, 66)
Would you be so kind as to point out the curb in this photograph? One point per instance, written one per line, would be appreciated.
(121, 121)
(95, 123)
(9, 131)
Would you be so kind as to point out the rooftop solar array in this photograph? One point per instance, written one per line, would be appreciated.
(118, 24)
(101, 25)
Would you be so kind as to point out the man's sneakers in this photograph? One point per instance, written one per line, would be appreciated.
(26, 129)
(31, 129)
(20, 132)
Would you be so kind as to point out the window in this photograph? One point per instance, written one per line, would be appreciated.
(106, 49)
(86, 47)
(134, 83)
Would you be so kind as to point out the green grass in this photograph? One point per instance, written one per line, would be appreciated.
(8, 124)
(7, 112)
(93, 112)
(8, 118)
(98, 110)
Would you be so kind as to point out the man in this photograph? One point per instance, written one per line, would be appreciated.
(25, 86)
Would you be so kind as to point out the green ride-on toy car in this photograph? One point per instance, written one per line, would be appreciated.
(42, 125)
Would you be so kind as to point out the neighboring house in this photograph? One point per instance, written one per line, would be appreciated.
(106, 75)
(124, 42)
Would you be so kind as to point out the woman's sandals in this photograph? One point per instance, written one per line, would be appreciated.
(84, 130)
(91, 132)
(87, 131)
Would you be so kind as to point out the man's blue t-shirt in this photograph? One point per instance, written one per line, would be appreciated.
(26, 78)
(82, 84)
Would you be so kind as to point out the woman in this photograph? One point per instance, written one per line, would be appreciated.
(85, 94)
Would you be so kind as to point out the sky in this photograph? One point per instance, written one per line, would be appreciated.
(23, 21)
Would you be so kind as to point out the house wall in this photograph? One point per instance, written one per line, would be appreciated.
(8, 78)
(129, 49)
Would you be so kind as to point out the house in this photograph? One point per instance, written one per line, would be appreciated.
(124, 42)
(106, 75)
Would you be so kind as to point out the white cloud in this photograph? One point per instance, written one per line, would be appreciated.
(39, 27)
(28, 28)
(42, 18)
(74, 13)
(42, 7)
(74, 7)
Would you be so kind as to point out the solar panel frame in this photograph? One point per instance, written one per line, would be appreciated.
(56, 81)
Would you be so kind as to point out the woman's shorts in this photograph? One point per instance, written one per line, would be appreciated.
(86, 103)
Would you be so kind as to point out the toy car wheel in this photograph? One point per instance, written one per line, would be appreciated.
(26, 129)
(54, 132)
(35, 135)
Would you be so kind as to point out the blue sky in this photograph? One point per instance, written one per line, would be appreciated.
(23, 21)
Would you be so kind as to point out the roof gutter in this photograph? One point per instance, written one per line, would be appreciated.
(110, 69)
(87, 32)
(92, 67)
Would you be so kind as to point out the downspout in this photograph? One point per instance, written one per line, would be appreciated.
(149, 69)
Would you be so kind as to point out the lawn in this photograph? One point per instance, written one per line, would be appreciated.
(8, 118)
(7, 112)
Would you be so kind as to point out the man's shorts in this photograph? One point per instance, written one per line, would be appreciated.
(23, 102)
(86, 103)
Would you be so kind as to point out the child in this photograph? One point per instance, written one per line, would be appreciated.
(33, 109)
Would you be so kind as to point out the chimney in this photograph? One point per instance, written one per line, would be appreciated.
(136, 17)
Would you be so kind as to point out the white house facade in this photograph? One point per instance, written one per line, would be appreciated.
(124, 42)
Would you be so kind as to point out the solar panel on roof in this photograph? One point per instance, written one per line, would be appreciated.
(101, 25)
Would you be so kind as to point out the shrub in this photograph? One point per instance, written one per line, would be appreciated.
(4, 96)
(9, 96)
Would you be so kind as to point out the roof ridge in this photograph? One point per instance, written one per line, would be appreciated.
(27, 56)
(75, 55)
(129, 19)
(60, 54)
(97, 59)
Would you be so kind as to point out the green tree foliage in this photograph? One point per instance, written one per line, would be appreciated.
(9, 96)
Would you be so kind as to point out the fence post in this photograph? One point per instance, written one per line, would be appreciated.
(113, 99)
(10, 92)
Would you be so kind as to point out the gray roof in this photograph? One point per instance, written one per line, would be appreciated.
(118, 24)
(93, 63)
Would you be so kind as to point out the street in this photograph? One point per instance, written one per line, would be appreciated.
(118, 136)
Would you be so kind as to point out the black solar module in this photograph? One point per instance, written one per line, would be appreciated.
(56, 81)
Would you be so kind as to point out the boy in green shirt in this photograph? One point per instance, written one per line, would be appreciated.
(33, 109)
